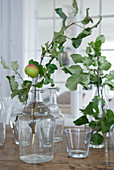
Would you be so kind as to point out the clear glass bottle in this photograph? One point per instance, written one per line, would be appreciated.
(99, 94)
(36, 131)
(2, 120)
(56, 112)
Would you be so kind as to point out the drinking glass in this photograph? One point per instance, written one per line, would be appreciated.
(77, 141)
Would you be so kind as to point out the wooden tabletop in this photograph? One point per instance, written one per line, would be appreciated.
(101, 159)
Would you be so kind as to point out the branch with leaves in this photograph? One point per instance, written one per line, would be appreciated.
(95, 71)
(53, 50)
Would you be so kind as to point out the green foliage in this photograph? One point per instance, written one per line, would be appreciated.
(94, 63)
(97, 138)
(4, 64)
(75, 7)
(87, 19)
(14, 65)
(82, 120)
(53, 50)
(61, 14)
(95, 73)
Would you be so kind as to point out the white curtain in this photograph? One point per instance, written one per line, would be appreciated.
(11, 38)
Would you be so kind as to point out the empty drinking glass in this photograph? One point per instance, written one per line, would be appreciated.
(77, 141)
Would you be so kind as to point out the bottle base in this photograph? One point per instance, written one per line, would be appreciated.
(35, 158)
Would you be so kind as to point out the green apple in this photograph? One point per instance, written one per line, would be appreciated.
(32, 70)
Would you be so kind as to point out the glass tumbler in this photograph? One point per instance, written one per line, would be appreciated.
(77, 141)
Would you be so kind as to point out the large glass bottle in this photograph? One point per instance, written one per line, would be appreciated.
(56, 112)
(36, 131)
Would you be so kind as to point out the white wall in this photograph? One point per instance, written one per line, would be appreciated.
(11, 37)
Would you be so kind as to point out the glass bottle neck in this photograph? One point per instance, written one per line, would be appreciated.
(36, 95)
(53, 96)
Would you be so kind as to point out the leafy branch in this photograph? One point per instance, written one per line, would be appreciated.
(53, 50)
(94, 73)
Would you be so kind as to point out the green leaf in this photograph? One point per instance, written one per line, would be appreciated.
(77, 58)
(87, 19)
(110, 84)
(91, 109)
(73, 81)
(76, 42)
(101, 38)
(74, 4)
(84, 33)
(51, 68)
(41, 70)
(88, 50)
(34, 62)
(107, 120)
(4, 64)
(59, 38)
(12, 82)
(66, 70)
(97, 138)
(110, 76)
(81, 121)
(94, 26)
(14, 65)
(43, 50)
(39, 84)
(61, 14)
(87, 61)
(105, 127)
(110, 115)
(75, 69)
(92, 124)
(98, 46)
(85, 80)
(104, 64)
(23, 94)
(48, 80)
(26, 84)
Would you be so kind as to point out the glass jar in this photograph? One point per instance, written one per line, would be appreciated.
(100, 99)
(56, 112)
(2, 121)
(36, 131)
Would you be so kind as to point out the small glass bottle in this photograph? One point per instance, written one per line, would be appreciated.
(36, 131)
(56, 112)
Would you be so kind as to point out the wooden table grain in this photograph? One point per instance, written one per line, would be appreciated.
(101, 159)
